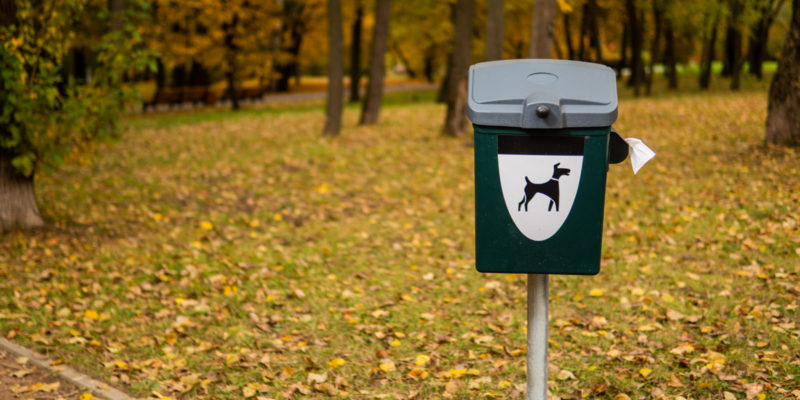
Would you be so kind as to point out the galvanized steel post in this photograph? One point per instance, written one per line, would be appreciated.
(537, 336)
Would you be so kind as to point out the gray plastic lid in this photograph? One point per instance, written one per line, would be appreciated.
(508, 93)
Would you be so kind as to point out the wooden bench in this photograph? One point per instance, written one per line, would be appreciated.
(169, 96)
(194, 95)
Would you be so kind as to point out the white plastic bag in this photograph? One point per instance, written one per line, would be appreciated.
(640, 153)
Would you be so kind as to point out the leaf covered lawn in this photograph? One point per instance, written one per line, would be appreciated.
(243, 256)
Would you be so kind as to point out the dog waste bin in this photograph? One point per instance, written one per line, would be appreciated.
(542, 134)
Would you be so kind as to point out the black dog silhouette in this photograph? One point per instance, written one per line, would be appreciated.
(549, 189)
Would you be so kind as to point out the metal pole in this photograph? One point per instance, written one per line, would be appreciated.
(537, 337)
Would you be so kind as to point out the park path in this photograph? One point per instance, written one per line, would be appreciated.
(26, 374)
(276, 98)
(290, 97)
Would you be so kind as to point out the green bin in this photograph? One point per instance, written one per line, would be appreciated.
(542, 133)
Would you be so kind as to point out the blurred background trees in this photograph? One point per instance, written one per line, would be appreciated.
(213, 50)
(269, 45)
(68, 68)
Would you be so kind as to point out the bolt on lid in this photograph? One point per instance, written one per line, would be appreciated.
(542, 94)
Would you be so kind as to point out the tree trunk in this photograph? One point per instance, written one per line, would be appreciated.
(117, 9)
(161, 74)
(231, 49)
(736, 60)
(542, 28)
(377, 64)
(654, 53)
(635, 21)
(293, 26)
(623, 50)
(199, 75)
(733, 44)
(583, 31)
(494, 31)
(455, 122)
(17, 200)
(594, 29)
(727, 54)
(444, 88)
(355, 53)
(333, 114)
(759, 37)
(288, 69)
(559, 53)
(758, 48)
(81, 68)
(230, 77)
(783, 117)
(285, 72)
(568, 37)
(404, 60)
(67, 71)
(670, 58)
(428, 68)
(709, 53)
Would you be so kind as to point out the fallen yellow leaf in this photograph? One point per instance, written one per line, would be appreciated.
(337, 362)
(387, 366)
(422, 359)
(417, 373)
(455, 373)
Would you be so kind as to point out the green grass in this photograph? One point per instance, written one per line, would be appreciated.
(208, 251)
(209, 114)
(717, 66)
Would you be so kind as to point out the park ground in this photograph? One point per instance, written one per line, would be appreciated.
(222, 255)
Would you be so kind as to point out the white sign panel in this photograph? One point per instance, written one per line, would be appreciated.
(539, 189)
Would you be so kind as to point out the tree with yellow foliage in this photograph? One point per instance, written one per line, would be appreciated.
(45, 119)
